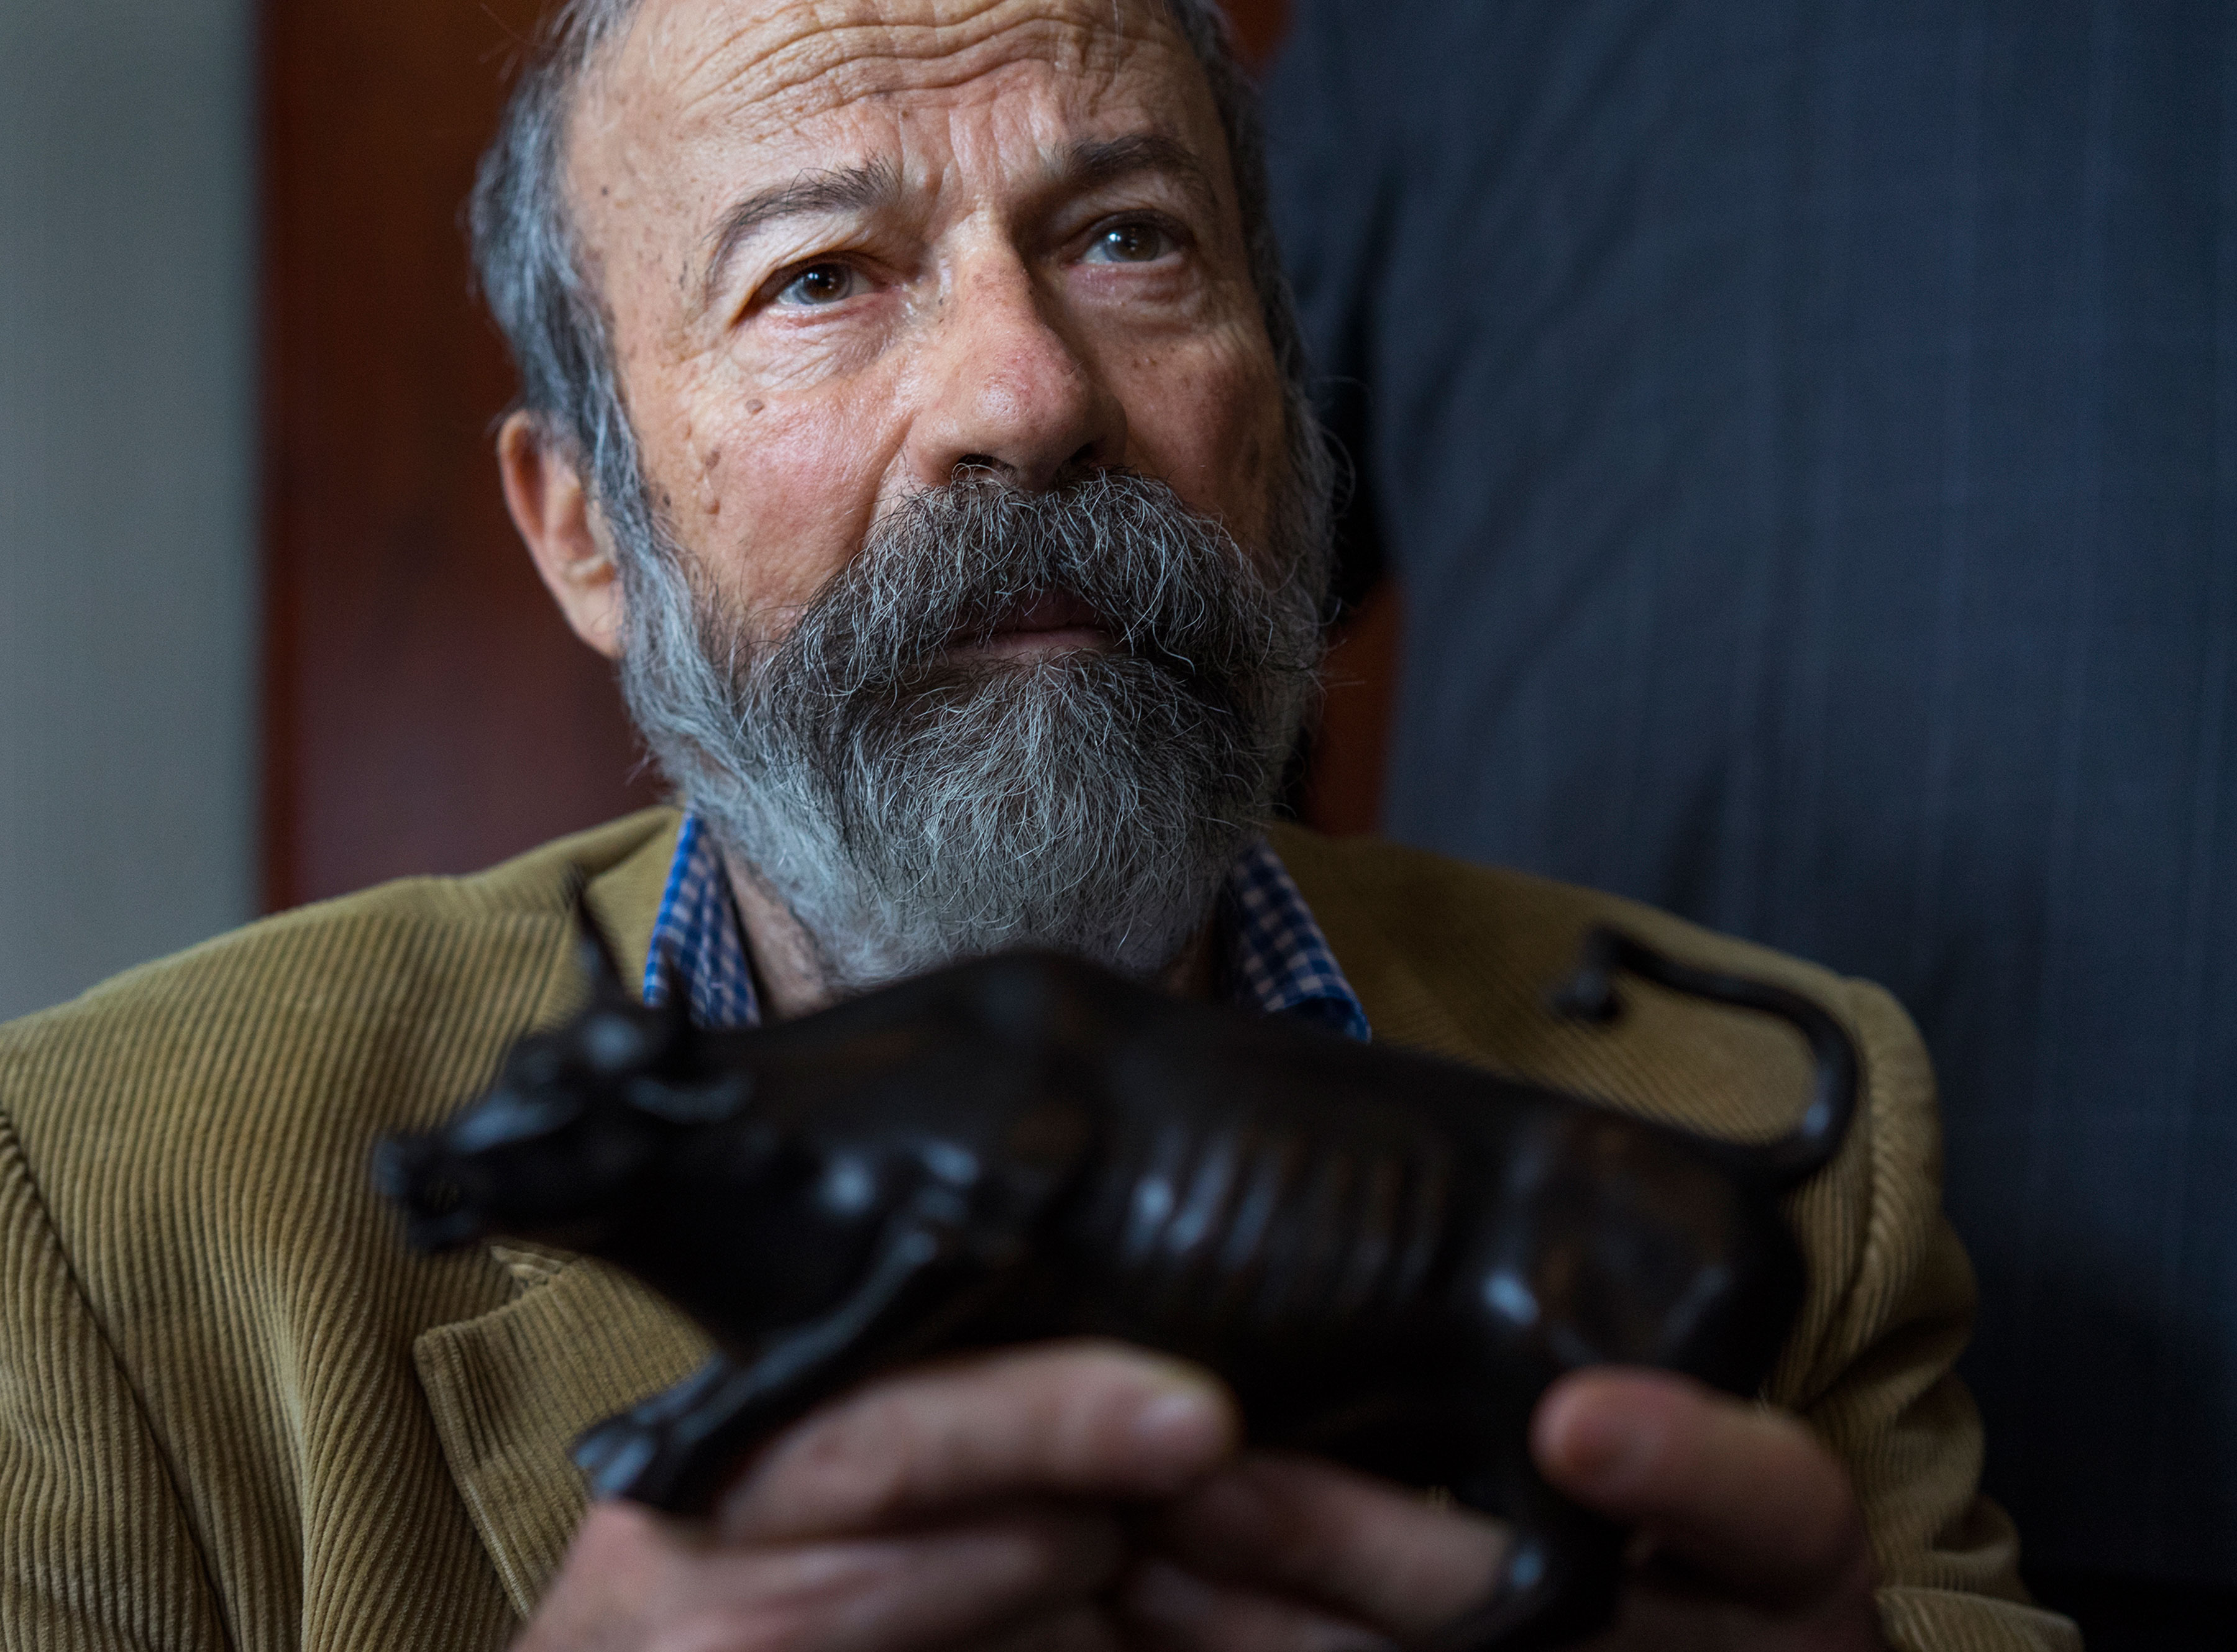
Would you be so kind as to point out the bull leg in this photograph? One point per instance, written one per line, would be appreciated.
(674, 1450)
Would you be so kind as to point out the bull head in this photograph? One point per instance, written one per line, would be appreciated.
(575, 1122)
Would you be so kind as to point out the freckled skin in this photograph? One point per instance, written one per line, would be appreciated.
(981, 318)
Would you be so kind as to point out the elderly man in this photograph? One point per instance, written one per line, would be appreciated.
(912, 410)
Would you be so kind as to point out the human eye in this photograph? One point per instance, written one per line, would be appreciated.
(820, 285)
(1135, 241)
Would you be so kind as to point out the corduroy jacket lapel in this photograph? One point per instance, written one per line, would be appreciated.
(511, 1389)
(1401, 1007)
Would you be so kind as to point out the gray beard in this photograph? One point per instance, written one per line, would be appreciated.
(912, 808)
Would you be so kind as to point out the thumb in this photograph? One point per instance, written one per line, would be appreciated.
(1744, 1495)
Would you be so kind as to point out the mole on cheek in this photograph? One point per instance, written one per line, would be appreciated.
(710, 498)
(753, 407)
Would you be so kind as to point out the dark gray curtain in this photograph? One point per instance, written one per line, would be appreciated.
(1807, 435)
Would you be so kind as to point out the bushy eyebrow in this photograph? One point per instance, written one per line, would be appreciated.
(1089, 164)
(1086, 164)
(862, 188)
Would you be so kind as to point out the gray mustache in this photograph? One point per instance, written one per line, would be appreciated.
(950, 564)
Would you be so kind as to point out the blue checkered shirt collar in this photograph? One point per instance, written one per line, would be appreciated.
(1277, 959)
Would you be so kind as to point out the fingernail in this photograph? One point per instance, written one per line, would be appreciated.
(1601, 1444)
(1182, 1421)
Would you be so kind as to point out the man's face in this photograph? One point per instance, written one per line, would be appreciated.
(975, 603)
(851, 249)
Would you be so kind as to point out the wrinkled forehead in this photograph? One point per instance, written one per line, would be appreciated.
(698, 86)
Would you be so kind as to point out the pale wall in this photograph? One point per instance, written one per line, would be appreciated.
(127, 504)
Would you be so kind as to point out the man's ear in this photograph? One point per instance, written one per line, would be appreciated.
(552, 507)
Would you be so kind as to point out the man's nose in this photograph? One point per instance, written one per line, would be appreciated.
(1009, 391)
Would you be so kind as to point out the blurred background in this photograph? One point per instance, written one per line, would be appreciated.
(129, 552)
(1793, 457)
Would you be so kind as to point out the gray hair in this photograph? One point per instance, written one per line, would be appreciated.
(545, 297)
(911, 807)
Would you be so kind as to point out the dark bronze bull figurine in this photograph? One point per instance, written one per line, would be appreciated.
(1388, 1257)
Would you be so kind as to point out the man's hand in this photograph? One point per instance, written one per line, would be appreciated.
(995, 1503)
(1749, 1537)
(972, 1504)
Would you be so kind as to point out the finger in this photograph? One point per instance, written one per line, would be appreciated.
(1176, 1611)
(1743, 1495)
(1300, 1526)
(960, 1583)
(1089, 1419)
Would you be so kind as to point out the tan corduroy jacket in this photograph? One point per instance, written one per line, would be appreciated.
(235, 1412)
